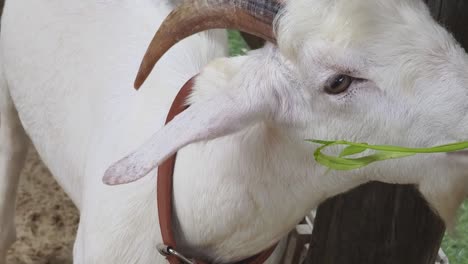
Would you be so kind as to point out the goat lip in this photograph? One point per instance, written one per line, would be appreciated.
(459, 153)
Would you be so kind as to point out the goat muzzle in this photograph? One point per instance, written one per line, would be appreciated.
(251, 16)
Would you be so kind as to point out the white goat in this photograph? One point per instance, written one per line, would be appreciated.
(378, 71)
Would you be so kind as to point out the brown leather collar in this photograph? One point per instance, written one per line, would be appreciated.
(164, 189)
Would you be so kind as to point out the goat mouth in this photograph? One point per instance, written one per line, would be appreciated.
(459, 153)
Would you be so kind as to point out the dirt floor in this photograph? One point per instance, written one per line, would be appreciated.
(46, 219)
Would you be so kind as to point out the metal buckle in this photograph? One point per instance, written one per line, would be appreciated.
(166, 250)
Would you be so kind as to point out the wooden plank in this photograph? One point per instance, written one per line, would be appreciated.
(376, 223)
(452, 14)
(2, 2)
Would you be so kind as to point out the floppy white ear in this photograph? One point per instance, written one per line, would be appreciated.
(243, 93)
(219, 116)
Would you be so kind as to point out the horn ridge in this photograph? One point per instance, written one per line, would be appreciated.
(264, 10)
(193, 16)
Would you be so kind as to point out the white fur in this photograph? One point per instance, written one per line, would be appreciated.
(69, 68)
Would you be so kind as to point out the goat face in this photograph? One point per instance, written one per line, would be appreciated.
(382, 72)
(405, 83)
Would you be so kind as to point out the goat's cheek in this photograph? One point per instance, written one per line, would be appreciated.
(363, 96)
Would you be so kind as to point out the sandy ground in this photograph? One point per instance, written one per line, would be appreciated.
(46, 219)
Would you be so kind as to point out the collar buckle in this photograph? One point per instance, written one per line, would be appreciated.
(166, 251)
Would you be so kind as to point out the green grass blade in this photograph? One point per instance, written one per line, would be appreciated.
(383, 152)
(352, 150)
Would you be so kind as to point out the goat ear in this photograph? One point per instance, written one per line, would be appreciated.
(213, 118)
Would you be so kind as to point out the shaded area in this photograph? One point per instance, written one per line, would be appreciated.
(452, 14)
(376, 223)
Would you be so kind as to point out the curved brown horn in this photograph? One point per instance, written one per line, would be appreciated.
(193, 16)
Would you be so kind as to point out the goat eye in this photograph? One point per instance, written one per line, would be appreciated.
(338, 84)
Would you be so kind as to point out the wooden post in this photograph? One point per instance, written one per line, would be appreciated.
(376, 224)
(380, 223)
(452, 14)
(2, 2)
(252, 41)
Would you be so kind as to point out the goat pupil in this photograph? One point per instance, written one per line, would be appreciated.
(338, 84)
(339, 81)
